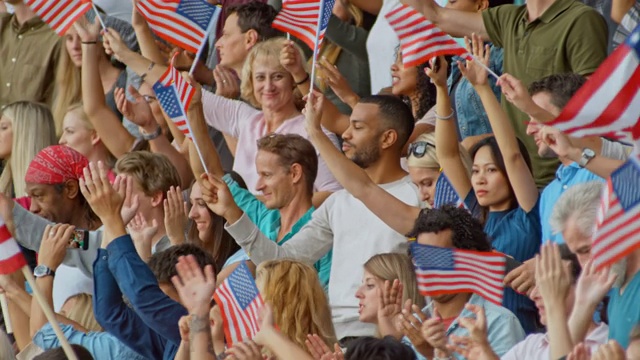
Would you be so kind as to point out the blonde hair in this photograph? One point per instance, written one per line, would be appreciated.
(268, 50)
(393, 266)
(430, 159)
(153, 172)
(299, 304)
(33, 130)
(82, 312)
(68, 89)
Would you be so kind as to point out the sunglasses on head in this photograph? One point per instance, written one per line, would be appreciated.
(419, 148)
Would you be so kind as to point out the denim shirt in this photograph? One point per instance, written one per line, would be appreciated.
(268, 221)
(503, 328)
(150, 325)
(101, 345)
(471, 116)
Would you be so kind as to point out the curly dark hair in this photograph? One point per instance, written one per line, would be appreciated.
(426, 91)
(466, 231)
(163, 263)
(371, 348)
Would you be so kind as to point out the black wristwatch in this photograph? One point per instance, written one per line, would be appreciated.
(42, 271)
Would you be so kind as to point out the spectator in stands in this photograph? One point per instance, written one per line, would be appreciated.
(453, 227)
(573, 216)
(25, 129)
(380, 128)
(539, 39)
(30, 51)
(79, 134)
(581, 160)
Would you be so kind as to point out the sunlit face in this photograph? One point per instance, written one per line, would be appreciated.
(404, 80)
(274, 180)
(272, 84)
(542, 99)
(425, 180)
(537, 299)
(362, 138)
(489, 183)
(578, 242)
(439, 239)
(199, 213)
(232, 44)
(73, 43)
(50, 203)
(76, 134)
(369, 294)
(6, 137)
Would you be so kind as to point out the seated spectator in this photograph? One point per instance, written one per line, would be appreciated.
(452, 227)
(25, 129)
(380, 128)
(424, 167)
(79, 134)
(389, 281)
(30, 54)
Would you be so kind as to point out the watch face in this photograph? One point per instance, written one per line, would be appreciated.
(589, 153)
(40, 270)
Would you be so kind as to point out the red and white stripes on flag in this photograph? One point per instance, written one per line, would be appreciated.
(608, 104)
(447, 271)
(240, 303)
(184, 23)
(300, 19)
(11, 258)
(175, 94)
(420, 39)
(59, 14)
(617, 231)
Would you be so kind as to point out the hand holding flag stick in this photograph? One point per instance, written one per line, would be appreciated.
(98, 16)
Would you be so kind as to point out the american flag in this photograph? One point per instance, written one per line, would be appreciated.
(617, 231)
(240, 303)
(60, 14)
(446, 194)
(421, 40)
(184, 23)
(300, 18)
(175, 94)
(447, 271)
(608, 104)
(11, 258)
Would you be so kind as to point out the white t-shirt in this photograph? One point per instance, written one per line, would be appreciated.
(381, 48)
(69, 281)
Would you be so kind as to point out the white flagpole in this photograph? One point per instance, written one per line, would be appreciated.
(5, 313)
(485, 67)
(212, 24)
(98, 16)
(316, 48)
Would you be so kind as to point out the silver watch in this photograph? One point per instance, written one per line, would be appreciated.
(587, 155)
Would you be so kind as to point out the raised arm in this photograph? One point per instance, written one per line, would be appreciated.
(106, 123)
(148, 47)
(447, 147)
(518, 172)
(455, 22)
(395, 213)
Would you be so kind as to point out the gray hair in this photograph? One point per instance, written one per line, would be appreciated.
(580, 200)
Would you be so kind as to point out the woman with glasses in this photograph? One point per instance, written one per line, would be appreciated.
(424, 167)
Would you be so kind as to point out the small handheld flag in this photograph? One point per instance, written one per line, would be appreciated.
(446, 194)
(59, 14)
(240, 303)
(447, 271)
(11, 258)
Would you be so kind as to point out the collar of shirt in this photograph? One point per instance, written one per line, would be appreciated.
(555, 10)
(567, 171)
(475, 300)
(304, 219)
(31, 24)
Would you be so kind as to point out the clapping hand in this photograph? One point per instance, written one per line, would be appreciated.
(105, 200)
(313, 112)
(475, 346)
(553, 278)
(194, 286)
(138, 111)
(475, 73)
(175, 215)
(320, 351)
(227, 84)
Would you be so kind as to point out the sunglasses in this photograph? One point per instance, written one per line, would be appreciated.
(419, 148)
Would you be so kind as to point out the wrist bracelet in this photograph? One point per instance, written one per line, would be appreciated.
(444, 117)
(306, 78)
(153, 135)
(89, 42)
(148, 69)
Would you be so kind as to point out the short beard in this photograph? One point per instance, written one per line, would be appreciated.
(367, 156)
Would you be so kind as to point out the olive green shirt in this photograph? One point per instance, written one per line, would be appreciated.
(568, 37)
(28, 57)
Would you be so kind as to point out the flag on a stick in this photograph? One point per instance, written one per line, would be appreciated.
(420, 39)
(175, 94)
(240, 303)
(608, 104)
(183, 23)
(300, 18)
(446, 194)
(59, 14)
(446, 271)
(11, 258)
(617, 231)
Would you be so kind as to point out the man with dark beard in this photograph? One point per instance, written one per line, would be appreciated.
(380, 127)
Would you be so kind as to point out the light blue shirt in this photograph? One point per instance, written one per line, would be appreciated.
(566, 176)
(101, 345)
(503, 328)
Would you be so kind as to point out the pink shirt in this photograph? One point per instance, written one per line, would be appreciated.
(537, 347)
(247, 124)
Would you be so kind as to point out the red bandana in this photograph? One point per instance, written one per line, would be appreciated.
(55, 165)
